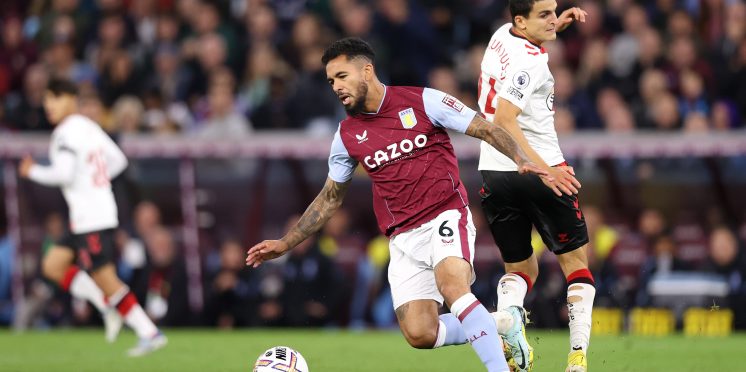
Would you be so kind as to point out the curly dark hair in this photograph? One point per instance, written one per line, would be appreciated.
(352, 47)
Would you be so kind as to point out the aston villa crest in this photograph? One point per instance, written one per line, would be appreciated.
(408, 119)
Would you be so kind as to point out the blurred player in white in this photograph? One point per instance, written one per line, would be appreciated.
(516, 90)
(83, 161)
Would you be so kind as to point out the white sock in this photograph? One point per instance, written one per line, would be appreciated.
(83, 287)
(580, 311)
(133, 314)
(139, 321)
(511, 290)
(481, 332)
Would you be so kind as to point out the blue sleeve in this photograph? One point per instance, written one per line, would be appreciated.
(446, 111)
(341, 164)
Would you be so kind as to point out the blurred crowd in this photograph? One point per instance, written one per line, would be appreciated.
(339, 277)
(224, 68)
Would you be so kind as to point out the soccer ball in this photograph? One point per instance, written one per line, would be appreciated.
(280, 358)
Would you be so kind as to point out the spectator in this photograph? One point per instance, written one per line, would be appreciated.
(593, 73)
(402, 24)
(261, 26)
(663, 261)
(682, 55)
(119, 78)
(162, 285)
(727, 259)
(60, 58)
(652, 85)
(112, 37)
(223, 120)
(619, 120)
(319, 115)
(17, 54)
(696, 123)
(724, 116)
(127, 115)
(308, 34)
(576, 101)
(665, 113)
(170, 77)
(624, 49)
(564, 121)
(312, 286)
(26, 112)
(578, 41)
(651, 224)
(231, 291)
(692, 94)
(603, 239)
(143, 14)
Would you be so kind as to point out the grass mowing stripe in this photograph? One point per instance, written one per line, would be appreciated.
(212, 350)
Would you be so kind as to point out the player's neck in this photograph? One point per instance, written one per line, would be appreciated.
(375, 97)
(523, 34)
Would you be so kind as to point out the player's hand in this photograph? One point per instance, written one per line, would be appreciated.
(24, 168)
(569, 16)
(264, 251)
(564, 181)
(529, 167)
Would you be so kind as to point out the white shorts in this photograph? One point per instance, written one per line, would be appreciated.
(415, 253)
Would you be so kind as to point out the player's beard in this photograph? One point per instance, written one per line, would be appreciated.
(360, 96)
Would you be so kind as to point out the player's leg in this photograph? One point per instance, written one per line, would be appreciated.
(511, 229)
(453, 276)
(561, 225)
(452, 250)
(98, 251)
(415, 296)
(581, 292)
(57, 266)
(418, 321)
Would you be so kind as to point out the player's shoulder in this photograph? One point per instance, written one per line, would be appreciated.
(517, 45)
(405, 91)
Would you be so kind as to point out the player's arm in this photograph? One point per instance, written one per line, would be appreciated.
(503, 141)
(116, 161)
(341, 167)
(321, 209)
(60, 172)
(448, 112)
(506, 116)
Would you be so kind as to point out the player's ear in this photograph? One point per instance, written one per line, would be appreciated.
(368, 72)
(520, 22)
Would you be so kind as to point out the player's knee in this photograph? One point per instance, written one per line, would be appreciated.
(452, 291)
(421, 339)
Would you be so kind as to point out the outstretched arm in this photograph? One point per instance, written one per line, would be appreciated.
(498, 138)
(563, 179)
(60, 172)
(321, 209)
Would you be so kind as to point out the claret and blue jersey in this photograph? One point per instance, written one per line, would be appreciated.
(407, 153)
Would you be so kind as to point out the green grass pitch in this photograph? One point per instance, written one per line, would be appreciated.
(328, 351)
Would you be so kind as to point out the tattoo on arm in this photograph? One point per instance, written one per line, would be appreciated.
(401, 312)
(316, 215)
(496, 136)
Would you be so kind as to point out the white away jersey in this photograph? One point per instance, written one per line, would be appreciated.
(83, 161)
(515, 69)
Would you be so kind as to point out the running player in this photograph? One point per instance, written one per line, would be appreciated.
(398, 136)
(516, 91)
(83, 161)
